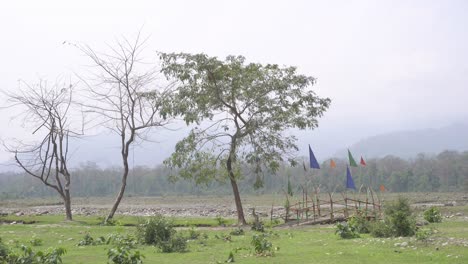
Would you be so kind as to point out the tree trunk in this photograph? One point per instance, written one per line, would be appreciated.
(122, 187)
(235, 190)
(237, 199)
(120, 195)
(67, 202)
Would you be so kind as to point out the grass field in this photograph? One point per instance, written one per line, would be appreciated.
(307, 244)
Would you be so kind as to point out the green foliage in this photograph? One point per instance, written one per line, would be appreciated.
(262, 246)
(88, 240)
(258, 225)
(258, 103)
(160, 232)
(399, 216)
(399, 220)
(380, 229)
(433, 215)
(34, 241)
(423, 234)
(221, 221)
(237, 232)
(155, 230)
(124, 255)
(359, 223)
(176, 243)
(51, 256)
(193, 233)
(127, 240)
(4, 250)
(344, 230)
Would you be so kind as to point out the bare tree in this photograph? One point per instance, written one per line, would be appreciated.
(123, 92)
(47, 114)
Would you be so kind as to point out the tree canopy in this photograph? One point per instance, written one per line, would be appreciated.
(248, 108)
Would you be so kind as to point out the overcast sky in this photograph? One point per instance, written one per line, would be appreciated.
(386, 65)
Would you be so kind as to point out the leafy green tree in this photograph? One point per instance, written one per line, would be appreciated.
(248, 107)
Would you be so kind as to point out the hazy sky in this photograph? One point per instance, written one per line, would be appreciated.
(386, 65)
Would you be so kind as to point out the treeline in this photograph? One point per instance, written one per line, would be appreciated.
(445, 172)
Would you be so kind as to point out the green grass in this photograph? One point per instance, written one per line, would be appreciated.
(311, 244)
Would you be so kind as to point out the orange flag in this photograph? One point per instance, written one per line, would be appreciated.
(332, 164)
(382, 188)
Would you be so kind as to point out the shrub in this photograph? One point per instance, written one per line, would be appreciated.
(344, 230)
(88, 240)
(155, 230)
(4, 251)
(124, 255)
(262, 246)
(398, 214)
(380, 229)
(36, 241)
(258, 226)
(221, 221)
(237, 232)
(433, 215)
(359, 223)
(423, 234)
(160, 232)
(121, 240)
(193, 233)
(175, 244)
(51, 256)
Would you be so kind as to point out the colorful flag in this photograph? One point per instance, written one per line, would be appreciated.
(349, 179)
(363, 163)
(313, 161)
(332, 164)
(352, 162)
(290, 192)
(382, 188)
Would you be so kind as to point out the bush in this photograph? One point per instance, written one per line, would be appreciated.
(399, 220)
(124, 255)
(359, 223)
(237, 232)
(88, 240)
(160, 232)
(155, 230)
(51, 256)
(258, 226)
(221, 221)
(193, 234)
(344, 230)
(36, 241)
(175, 244)
(423, 234)
(380, 229)
(433, 215)
(262, 246)
(398, 214)
(4, 250)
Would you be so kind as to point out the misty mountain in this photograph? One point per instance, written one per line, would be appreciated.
(407, 144)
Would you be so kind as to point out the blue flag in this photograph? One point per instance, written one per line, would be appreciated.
(313, 161)
(349, 179)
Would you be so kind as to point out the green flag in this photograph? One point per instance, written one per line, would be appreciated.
(352, 162)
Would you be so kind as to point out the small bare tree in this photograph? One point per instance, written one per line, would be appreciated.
(124, 95)
(47, 114)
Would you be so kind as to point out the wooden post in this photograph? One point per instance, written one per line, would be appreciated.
(318, 205)
(331, 207)
(313, 207)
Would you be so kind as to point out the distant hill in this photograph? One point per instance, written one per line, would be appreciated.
(407, 144)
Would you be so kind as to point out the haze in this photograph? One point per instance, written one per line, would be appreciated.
(386, 65)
